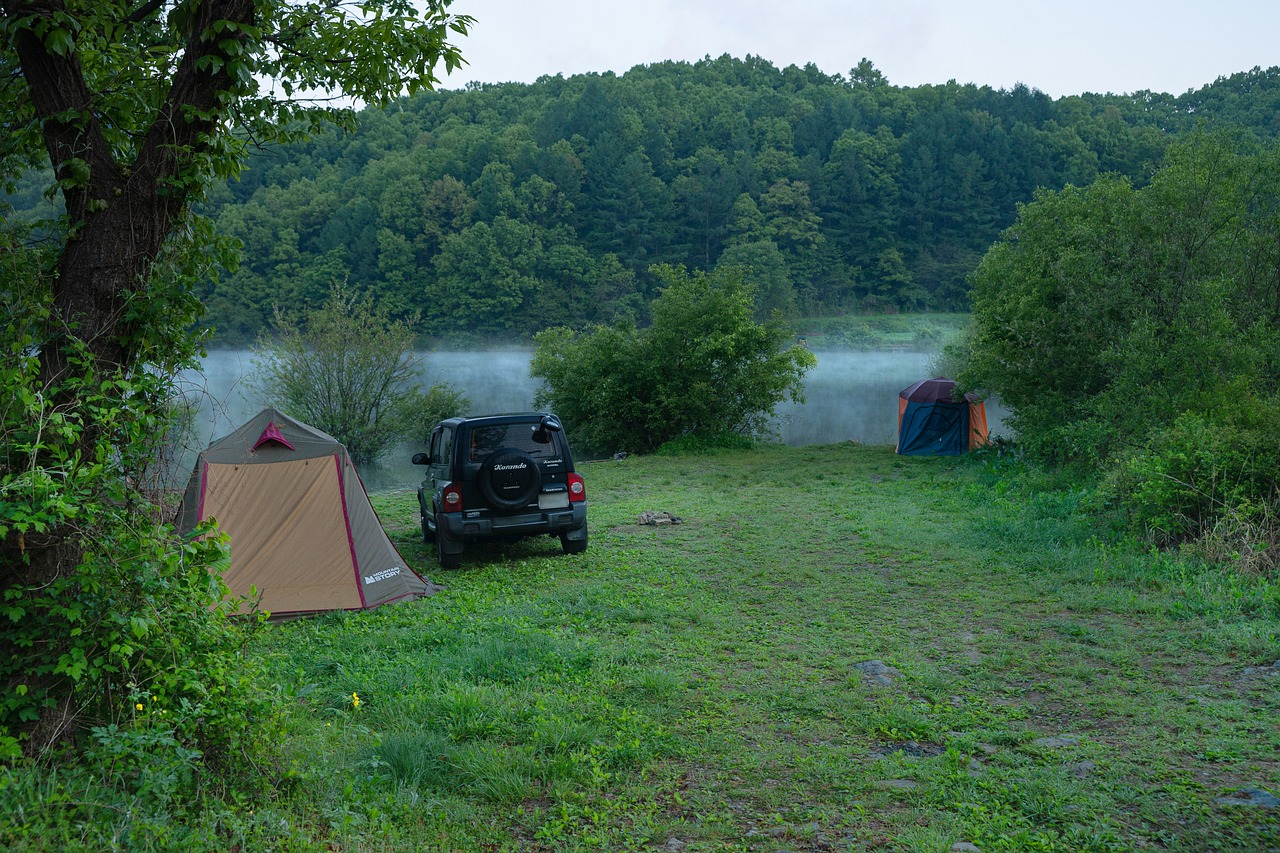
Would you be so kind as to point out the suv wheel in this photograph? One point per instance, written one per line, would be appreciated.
(510, 479)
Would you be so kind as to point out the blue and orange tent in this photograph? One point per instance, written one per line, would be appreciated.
(933, 422)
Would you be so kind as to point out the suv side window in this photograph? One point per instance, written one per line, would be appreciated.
(441, 441)
(446, 446)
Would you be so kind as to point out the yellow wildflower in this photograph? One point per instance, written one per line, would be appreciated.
(138, 706)
(355, 700)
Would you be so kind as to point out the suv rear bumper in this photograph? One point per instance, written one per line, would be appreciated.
(572, 522)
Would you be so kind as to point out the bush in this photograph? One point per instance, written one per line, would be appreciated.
(128, 651)
(1133, 332)
(704, 367)
(1191, 476)
(1106, 312)
(349, 370)
(427, 408)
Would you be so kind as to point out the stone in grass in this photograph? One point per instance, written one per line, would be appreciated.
(877, 672)
(1260, 671)
(964, 847)
(897, 784)
(1081, 769)
(1249, 797)
(1055, 742)
(651, 517)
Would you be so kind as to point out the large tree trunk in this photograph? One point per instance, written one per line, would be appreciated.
(120, 214)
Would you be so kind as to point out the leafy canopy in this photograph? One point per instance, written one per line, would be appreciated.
(704, 367)
(135, 109)
(1138, 331)
(276, 62)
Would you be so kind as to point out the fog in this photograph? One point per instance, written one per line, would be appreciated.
(850, 396)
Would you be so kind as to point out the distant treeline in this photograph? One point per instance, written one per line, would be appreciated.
(504, 209)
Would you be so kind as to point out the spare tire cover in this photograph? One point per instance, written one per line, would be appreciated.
(509, 479)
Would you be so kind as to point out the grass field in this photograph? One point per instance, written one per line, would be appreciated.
(838, 649)
(712, 685)
(881, 332)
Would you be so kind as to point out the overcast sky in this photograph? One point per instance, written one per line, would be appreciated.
(1061, 48)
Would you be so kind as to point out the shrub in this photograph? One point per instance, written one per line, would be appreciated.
(427, 408)
(1133, 332)
(1189, 477)
(704, 367)
(1106, 312)
(129, 651)
(348, 369)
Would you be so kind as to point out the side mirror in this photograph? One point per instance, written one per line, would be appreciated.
(421, 459)
(546, 426)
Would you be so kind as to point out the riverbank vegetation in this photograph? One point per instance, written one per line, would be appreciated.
(1041, 684)
(704, 369)
(1134, 333)
(349, 370)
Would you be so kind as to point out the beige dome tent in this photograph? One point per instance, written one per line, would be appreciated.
(303, 533)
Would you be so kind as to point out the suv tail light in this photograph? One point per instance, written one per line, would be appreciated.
(577, 488)
(452, 497)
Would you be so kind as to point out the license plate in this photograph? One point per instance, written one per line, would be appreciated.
(553, 500)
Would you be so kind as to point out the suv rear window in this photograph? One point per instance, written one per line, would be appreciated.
(486, 440)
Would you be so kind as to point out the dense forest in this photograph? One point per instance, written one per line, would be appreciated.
(504, 209)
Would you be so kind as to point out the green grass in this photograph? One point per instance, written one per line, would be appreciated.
(879, 332)
(700, 682)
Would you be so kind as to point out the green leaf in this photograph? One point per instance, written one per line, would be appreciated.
(59, 41)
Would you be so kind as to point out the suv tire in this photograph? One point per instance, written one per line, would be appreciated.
(509, 479)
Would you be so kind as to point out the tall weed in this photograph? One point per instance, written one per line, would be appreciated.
(1201, 479)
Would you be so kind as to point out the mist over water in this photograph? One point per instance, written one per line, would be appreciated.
(493, 380)
(850, 396)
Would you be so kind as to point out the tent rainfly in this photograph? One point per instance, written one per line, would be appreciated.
(931, 422)
(303, 534)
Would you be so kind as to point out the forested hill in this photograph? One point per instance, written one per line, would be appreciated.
(504, 209)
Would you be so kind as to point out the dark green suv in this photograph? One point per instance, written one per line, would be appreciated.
(500, 477)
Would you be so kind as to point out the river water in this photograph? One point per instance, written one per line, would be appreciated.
(850, 396)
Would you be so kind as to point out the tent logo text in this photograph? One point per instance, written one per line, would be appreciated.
(382, 575)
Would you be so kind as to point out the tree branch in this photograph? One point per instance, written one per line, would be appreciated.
(196, 102)
(143, 12)
(64, 106)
